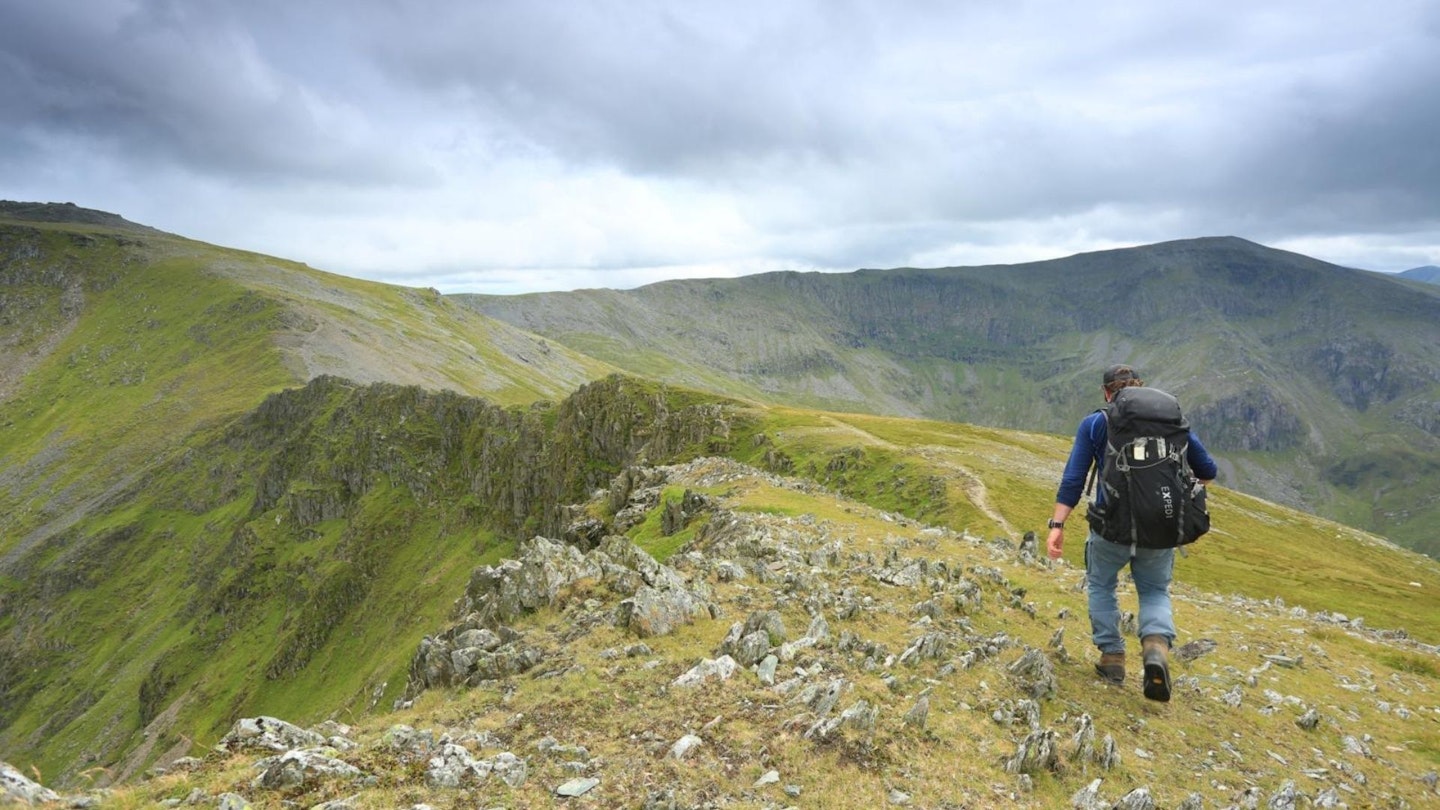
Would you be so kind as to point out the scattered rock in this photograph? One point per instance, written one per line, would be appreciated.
(1287, 661)
(765, 670)
(718, 669)
(1082, 745)
(918, 713)
(577, 787)
(187, 764)
(1036, 753)
(1137, 799)
(684, 746)
(926, 648)
(1286, 798)
(1088, 798)
(1017, 712)
(1191, 650)
(1034, 675)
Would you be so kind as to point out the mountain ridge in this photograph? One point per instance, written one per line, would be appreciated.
(70, 213)
(1272, 352)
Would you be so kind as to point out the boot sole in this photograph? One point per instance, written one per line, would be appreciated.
(1157, 681)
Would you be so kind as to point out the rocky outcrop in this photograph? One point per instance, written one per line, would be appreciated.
(1423, 414)
(1254, 419)
(1361, 371)
(299, 762)
(269, 733)
(482, 647)
(521, 466)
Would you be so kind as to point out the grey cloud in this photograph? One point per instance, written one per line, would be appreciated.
(829, 134)
(177, 84)
(654, 87)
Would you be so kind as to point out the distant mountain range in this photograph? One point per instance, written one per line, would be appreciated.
(1429, 274)
(1318, 385)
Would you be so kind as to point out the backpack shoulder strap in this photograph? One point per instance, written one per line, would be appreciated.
(1095, 466)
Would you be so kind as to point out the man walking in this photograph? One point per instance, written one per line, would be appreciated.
(1151, 559)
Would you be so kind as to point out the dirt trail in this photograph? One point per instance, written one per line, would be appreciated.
(938, 455)
(975, 489)
(868, 438)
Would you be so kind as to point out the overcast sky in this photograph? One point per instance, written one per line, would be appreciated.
(532, 145)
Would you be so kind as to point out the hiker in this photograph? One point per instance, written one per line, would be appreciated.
(1151, 559)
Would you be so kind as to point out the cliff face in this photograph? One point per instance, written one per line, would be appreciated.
(301, 527)
(1253, 420)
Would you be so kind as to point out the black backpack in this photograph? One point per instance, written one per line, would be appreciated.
(1151, 497)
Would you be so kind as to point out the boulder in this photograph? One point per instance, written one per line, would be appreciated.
(294, 768)
(270, 734)
(656, 612)
(16, 788)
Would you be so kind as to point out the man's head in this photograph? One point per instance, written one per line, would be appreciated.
(1117, 377)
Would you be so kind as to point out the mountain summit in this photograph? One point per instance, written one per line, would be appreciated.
(68, 213)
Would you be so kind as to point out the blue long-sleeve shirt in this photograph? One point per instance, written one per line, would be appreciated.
(1089, 449)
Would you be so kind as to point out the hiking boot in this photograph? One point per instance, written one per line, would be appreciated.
(1111, 667)
(1156, 652)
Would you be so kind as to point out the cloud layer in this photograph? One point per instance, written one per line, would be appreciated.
(507, 147)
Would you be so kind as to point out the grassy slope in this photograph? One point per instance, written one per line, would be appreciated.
(137, 352)
(166, 335)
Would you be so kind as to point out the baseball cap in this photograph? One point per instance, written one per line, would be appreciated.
(1118, 373)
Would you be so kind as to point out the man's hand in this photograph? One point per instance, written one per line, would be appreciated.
(1055, 543)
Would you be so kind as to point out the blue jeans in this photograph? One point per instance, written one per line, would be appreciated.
(1151, 568)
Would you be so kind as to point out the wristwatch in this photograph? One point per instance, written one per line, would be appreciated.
(1054, 524)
